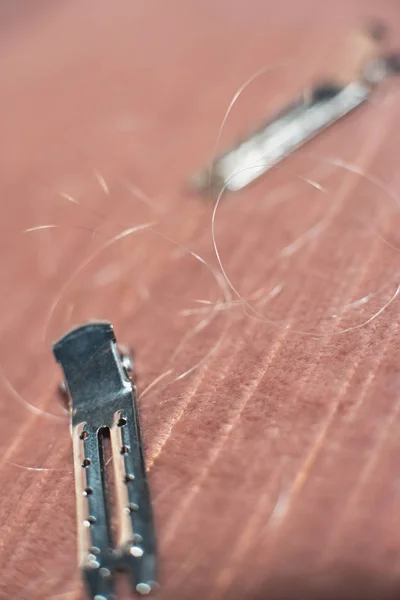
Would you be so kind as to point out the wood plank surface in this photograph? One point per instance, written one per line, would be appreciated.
(269, 379)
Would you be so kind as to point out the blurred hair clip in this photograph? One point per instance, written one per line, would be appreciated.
(317, 108)
(103, 404)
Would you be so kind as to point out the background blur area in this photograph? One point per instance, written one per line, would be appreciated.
(268, 381)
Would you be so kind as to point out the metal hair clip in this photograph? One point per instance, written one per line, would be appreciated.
(104, 404)
(316, 109)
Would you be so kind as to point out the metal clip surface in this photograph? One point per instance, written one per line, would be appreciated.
(103, 403)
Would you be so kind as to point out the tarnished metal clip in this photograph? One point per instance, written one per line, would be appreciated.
(103, 403)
